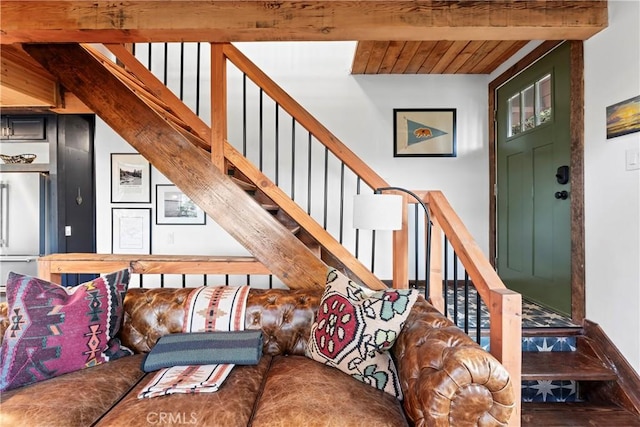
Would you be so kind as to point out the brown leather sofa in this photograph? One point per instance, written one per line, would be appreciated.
(447, 379)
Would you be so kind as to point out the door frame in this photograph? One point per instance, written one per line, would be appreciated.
(576, 170)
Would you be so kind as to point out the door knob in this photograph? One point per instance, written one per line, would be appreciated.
(562, 195)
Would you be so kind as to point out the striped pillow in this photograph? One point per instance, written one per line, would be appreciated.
(205, 348)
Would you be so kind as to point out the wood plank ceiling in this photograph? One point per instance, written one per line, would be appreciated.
(432, 57)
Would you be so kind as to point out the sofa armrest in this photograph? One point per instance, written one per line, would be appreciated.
(447, 379)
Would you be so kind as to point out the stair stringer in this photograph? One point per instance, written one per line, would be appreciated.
(183, 163)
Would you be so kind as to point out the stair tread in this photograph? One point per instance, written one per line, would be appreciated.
(564, 365)
(570, 414)
(552, 331)
(270, 207)
(246, 186)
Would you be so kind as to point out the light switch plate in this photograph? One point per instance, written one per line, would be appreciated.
(632, 159)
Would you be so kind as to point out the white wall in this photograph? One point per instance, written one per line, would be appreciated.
(612, 194)
(358, 110)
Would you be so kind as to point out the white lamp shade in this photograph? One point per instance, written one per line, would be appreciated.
(377, 211)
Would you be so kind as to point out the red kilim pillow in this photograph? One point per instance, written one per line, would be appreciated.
(356, 327)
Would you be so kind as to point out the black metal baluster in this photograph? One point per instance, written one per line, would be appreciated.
(373, 250)
(204, 280)
(244, 115)
(455, 287)
(198, 81)
(466, 303)
(326, 184)
(226, 280)
(165, 64)
(309, 175)
(357, 248)
(184, 280)
(293, 158)
(149, 56)
(445, 279)
(341, 201)
(478, 316)
(416, 242)
(277, 142)
(181, 71)
(141, 277)
(271, 281)
(260, 137)
(162, 280)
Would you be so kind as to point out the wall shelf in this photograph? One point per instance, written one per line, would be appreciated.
(22, 167)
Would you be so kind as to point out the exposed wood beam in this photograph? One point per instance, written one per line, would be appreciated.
(24, 83)
(102, 21)
(183, 163)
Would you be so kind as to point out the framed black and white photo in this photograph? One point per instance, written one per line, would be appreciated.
(130, 178)
(174, 207)
(424, 132)
(131, 230)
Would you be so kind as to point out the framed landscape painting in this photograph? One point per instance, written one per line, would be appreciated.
(174, 207)
(130, 178)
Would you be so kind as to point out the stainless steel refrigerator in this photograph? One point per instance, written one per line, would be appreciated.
(22, 222)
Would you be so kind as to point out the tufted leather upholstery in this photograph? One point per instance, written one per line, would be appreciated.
(285, 317)
(447, 379)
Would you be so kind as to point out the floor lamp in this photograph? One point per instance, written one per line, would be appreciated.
(380, 211)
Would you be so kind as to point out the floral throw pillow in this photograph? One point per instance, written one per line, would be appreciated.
(54, 330)
(355, 328)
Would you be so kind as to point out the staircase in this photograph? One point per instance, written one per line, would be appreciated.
(569, 380)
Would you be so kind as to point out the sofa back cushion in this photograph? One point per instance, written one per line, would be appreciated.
(284, 316)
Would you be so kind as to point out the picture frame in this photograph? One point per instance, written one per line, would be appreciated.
(131, 230)
(174, 207)
(130, 178)
(425, 132)
(623, 117)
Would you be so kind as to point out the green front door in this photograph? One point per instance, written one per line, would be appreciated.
(533, 196)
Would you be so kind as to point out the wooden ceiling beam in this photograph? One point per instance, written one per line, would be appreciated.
(24, 83)
(54, 21)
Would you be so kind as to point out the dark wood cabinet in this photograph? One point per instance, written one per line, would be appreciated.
(25, 128)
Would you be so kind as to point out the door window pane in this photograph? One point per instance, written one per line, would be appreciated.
(543, 90)
(514, 115)
(528, 105)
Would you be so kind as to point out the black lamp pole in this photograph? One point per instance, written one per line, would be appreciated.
(429, 224)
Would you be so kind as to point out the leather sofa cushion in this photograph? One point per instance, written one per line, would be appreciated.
(322, 397)
(75, 399)
(231, 406)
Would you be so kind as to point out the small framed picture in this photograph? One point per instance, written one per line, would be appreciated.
(174, 207)
(623, 118)
(130, 178)
(424, 132)
(131, 230)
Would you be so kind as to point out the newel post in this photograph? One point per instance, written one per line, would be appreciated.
(506, 339)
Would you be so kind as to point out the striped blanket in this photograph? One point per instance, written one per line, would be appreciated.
(208, 309)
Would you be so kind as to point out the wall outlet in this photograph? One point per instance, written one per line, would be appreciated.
(67, 230)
